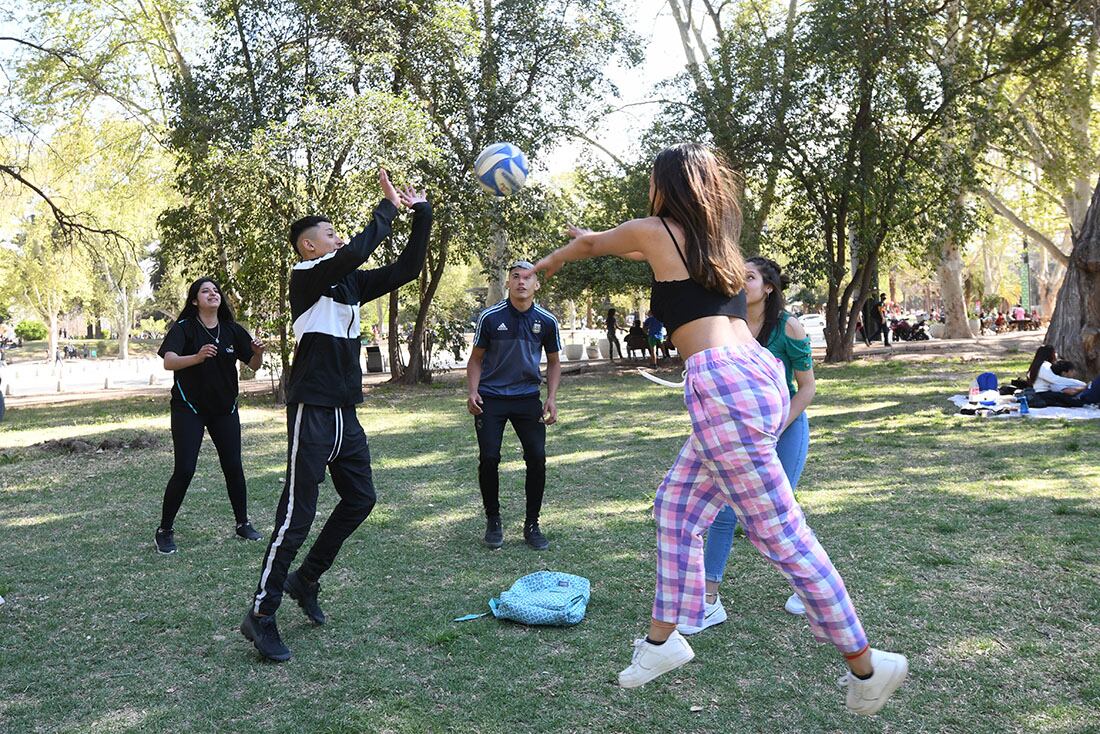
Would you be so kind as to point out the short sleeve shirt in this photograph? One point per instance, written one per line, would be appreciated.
(513, 341)
(210, 387)
(795, 354)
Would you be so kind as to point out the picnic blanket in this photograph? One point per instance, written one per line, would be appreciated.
(1069, 413)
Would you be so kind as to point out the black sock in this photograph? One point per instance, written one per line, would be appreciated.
(651, 641)
(863, 677)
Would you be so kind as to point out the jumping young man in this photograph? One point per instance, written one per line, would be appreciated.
(326, 383)
(503, 376)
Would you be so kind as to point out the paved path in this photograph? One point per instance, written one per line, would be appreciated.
(83, 381)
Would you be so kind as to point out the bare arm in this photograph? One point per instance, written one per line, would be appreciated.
(627, 240)
(473, 380)
(807, 386)
(553, 379)
(801, 400)
(257, 360)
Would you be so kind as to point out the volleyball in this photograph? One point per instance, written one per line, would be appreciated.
(501, 169)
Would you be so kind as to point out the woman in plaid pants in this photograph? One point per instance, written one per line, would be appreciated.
(737, 397)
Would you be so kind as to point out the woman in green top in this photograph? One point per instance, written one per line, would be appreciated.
(784, 337)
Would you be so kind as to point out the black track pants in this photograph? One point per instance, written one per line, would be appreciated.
(526, 417)
(316, 437)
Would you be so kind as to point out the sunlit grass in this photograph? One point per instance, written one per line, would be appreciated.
(969, 545)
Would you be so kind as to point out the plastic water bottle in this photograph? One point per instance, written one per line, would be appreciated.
(974, 391)
(1024, 410)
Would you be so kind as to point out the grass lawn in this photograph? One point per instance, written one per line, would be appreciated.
(970, 545)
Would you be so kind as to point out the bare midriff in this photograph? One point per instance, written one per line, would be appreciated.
(710, 332)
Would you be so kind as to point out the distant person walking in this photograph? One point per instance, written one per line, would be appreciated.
(202, 349)
(884, 319)
(612, 335)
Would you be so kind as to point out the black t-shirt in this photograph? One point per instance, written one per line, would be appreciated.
(210, 387)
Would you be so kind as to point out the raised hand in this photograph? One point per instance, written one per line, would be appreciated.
(574, 231)
(548, 265)
(388, 190)
(409, 196)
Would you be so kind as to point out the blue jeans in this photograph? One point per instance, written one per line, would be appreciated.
(792, 447)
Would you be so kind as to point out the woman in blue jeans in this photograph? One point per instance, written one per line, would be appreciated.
(784, 337)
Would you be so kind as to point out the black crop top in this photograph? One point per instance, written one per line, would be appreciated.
(676, 302)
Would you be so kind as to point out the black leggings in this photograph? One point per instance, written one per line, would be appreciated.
(613, 345)
(525, 415)
(187, 430)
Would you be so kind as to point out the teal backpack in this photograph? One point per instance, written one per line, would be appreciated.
(544, 597)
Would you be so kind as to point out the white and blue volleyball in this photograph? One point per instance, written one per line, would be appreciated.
(501, 169)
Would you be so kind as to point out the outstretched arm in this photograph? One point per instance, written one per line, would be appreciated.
(379, 281)
(330, 269)
(628, 240)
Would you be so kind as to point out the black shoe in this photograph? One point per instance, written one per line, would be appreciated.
(494, 532)
(305, 594)
(245, 531)
(264, 634)
(165, 541)
(534, 537)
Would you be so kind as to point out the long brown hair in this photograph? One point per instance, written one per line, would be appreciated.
(696, 188)
(772, 275)
(1044, 353)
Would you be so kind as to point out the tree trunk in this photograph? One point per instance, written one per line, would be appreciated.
(1075, 326)
(495, 267)
(419, 370)
(394, 340)
(950, 269)
(125, 319)
(51, 341)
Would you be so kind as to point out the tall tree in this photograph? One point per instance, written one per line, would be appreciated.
(1075, 329)
(521, 71)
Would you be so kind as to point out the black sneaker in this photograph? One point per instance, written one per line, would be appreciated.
(245, 531)
(165, 541)
(306, 595)
(494, 532)
(264, 634)
(534, 537)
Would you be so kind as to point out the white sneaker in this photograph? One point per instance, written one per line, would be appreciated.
(650, 661)
(866, 697)
(795, 606)
(712, 614)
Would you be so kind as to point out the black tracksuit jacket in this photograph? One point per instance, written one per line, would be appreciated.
(325, 295)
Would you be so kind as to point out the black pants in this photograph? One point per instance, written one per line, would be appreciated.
(613, 345)
(526, 417)
(1052, 398)
(187, 431)
(316, 437)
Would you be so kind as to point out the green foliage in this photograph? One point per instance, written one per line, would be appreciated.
(31, 331)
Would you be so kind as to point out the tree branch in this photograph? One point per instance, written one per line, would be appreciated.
(1001, 208)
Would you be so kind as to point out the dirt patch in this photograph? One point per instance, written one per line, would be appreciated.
(110, 443)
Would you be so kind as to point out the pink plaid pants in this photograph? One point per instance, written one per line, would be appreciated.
(738, 401)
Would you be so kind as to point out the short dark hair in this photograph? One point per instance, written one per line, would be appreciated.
(300, 226)
(1063, 367)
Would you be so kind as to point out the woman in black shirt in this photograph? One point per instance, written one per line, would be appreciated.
(202, 349)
